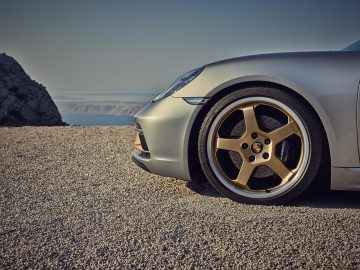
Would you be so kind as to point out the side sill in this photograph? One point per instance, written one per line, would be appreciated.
(345, 178)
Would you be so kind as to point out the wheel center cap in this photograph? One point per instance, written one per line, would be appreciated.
(256, 147)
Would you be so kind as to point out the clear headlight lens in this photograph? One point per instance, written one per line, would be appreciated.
(180, 83)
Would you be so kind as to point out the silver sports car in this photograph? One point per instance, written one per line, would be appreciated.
(259, 128)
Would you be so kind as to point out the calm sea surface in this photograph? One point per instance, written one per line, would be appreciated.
(97, 120)
(101, 120)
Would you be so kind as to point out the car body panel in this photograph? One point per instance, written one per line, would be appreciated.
(164, 124)
(345, 178)
(329, 81)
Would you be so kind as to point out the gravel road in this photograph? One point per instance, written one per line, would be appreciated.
(71, 198)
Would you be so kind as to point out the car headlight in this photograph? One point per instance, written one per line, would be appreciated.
(180, 83)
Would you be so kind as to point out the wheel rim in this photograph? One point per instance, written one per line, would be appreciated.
(258, 148)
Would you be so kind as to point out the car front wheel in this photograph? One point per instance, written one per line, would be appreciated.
(260, 145)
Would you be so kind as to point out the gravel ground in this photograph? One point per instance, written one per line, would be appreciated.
(71, 198)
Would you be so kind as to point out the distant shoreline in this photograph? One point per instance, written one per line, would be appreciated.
(97, 120)
(99, 113)
(115, 108)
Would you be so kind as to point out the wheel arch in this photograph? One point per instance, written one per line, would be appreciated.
(219, 92)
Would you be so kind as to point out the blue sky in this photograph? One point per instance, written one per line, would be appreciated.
(87, 46)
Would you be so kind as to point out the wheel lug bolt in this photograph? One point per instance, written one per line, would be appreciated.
(265, 155)
(267, 141)
(244, 146)
(254, 135)
(251, 158)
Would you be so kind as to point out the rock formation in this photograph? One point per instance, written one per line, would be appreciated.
(23, 101)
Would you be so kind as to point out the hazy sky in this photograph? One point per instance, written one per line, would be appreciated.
(140, 45)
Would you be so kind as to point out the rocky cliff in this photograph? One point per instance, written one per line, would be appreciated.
(23, 101)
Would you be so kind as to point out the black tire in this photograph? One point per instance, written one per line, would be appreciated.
(309, 121)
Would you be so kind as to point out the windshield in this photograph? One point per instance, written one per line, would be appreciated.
(353, 46)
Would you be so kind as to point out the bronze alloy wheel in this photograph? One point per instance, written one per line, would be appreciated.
(257, 148)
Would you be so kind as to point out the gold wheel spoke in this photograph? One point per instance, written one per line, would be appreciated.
(279, 168)
(283, 132)
(244, 174)
(257, 148)
(228, 144)
(250, 118)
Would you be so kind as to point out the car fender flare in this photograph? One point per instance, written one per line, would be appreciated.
(274, 80)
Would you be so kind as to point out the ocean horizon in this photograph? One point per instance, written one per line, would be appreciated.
(100, 108)
(104, 95)
(97, 120)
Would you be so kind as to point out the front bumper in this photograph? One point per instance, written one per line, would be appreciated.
(163, 129)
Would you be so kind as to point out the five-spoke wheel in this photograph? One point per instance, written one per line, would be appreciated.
(257, 148)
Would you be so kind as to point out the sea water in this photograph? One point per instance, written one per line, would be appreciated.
(97, 120)
(101, 119)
